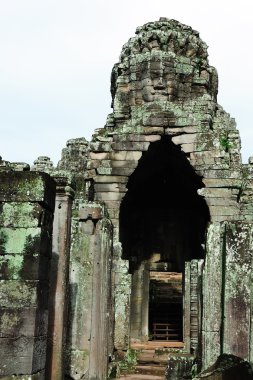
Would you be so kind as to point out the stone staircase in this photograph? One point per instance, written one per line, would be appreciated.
(150, 365)
(157, 364)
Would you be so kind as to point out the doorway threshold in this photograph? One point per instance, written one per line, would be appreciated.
(152, 345)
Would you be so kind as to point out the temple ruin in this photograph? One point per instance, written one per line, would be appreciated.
(138, 240)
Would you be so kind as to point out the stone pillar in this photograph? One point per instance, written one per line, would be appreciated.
(212, 294)
(139, 304)
(90, 331)
(237, 290)
(101, 300)
(192, 305)
(195, 304)
(26, 215)
(59, 276)
(187, 307)
(122, 291)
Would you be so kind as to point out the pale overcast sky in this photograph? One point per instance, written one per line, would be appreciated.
(57, 56)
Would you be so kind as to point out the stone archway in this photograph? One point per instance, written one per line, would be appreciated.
(164, 92)
(162, 226)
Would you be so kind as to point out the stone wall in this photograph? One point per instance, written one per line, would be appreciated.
(227, 292)
(27, 205)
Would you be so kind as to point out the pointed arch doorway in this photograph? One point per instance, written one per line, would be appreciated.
(162, 230)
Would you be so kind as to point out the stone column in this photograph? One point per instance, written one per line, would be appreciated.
(90, 332)
(212, 294)
(59, 276)
(187, 306)
(101, 300)
(237, 300)
(26, 215)
(139, 304)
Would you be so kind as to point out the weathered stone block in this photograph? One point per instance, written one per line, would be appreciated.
(30, 266)
(102, 171)
(101, 146)
(124, 164)
(222, 202)
(156, 120)
(126, 156)
(18, 294)
(148, 130)
(122, 171)
(129, 146)
(215, 193)
(25, 240)
(27, 322)
(113, 213)
(91, 211)
(224, 210)
(87, 227)
(77, 362)
(22, 214)
(188, 148)
(113, 204)
(227, 367)
(27, 187)
(185, 129)
(22, 355)
(111, 187)
(178, 366)
(111, 179)
(187, 138)
(99, 156)
(223, 182)
(37, 376)
(110, 196)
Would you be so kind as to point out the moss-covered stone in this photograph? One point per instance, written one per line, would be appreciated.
(27, 187)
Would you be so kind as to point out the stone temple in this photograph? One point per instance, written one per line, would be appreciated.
(135, 253)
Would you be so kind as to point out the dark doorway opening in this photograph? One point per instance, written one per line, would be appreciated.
(162, 225)
(166, 306)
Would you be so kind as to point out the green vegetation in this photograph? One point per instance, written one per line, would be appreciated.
(226, 145)
(129, 361)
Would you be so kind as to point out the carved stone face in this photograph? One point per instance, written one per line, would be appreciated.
(165, 62)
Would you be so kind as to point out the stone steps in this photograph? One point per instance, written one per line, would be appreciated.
(151, 369)
(152, 364)
(135, 376)
(149, 366)
(150, 356)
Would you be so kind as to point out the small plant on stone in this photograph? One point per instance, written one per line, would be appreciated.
(194, 370)
(226, 145)
(129, 362)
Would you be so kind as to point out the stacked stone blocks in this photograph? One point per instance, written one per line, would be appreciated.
(27, 204)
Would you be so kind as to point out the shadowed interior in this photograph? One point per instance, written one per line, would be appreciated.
(162, 225)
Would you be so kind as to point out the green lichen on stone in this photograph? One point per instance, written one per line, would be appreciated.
(18, 293)
(20, 214)
(129, 362)
(122, 299)
(3, 241)
(14, 265)
(9, 322)
(77, 362)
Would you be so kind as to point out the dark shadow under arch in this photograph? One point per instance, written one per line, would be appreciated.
(162, 211)
(163, 222)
